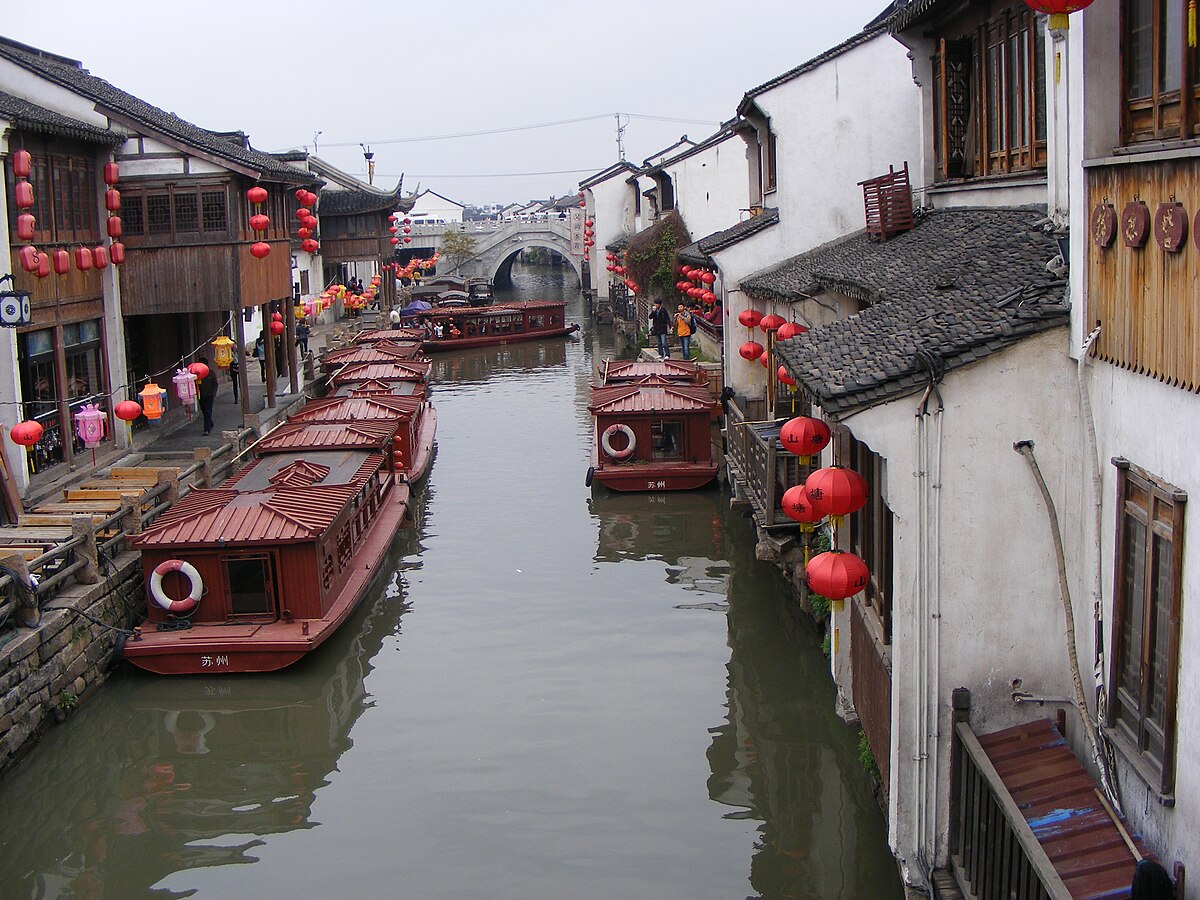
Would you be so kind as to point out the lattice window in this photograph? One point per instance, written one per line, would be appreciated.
(158, 214)
(187, 215)
(133, 214)
(215, 211)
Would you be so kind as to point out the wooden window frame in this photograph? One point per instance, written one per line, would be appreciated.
(871, 530)
(138, 197)
(1162, 517)
(1166, 115)
(65, 199)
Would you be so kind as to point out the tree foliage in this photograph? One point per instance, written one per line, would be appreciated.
(457, 247)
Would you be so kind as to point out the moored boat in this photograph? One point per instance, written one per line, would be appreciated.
(481, 326)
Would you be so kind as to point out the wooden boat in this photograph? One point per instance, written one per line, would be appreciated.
(481, 326)
(373, 352)
(615, 371)
(254, 574)
(480, 291)
(394, 335)
(388, 373)
(653, 434)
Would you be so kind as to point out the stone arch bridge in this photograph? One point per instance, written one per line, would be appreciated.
(497, 245)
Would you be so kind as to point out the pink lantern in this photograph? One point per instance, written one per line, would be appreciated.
(91, 424)
(185, 386)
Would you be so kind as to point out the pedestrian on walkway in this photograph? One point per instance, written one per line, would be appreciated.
(260, 353)
(207, 393)
(235, 371)
(302, 333)
(683, 330)
(394, 318)
(660, 324)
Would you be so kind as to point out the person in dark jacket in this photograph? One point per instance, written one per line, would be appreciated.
(207, 393)
(1151, 882)
(660, 325)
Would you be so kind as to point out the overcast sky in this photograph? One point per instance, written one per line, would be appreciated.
(384, 73)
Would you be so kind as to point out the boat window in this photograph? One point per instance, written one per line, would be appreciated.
(537, 321)
(250, 588)
(666, 440)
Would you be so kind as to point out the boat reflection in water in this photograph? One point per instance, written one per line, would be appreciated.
(781, 757)
(481, 363)
(191, 773)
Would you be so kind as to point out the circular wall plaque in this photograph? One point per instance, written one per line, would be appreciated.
(1135, 223)
(1104, 224)
(1171, 226)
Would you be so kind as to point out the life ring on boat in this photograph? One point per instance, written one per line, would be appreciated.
(188, 603)
(606, 441)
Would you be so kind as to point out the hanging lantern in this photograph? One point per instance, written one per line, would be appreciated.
(836, 492)
(199, 369)
(25, 226)
(300, 194)
(185, 386)
(23, 195)
(804, 436)
(26, 433)
(783, 377)
(708, 296)
(310, 199)
(22, 163)
(407, 221)
(257, 194)
(708, 278)
(116, 252)
(1058, 10)
(90, 425)
(771, 322)
(113, 226)
(43, 265)
(392, 229)
(223, 351)
(127, 410)
(29, 258)
(750, 317)
(152, 400)
(310, 222)
(406, 230)
(259, 222)
(112, 173)
(751, 350)
(588, 223)
(394, 240)
(62, 261)
(789, 330)
(308, 245)
(260, 250)
(83, 259)
(303, 213)
(837, 575)
(765, 360)
(112, 199)
(798, 507)
(276, 317)
(100, 257)
(277, 328)
(407, 239)
(303, 233)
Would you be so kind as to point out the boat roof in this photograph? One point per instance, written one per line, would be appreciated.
(317, 467)
(651, 398)
(388, 334)
(359, 409)
(614, 370)
(376, 351)
(293, 436)
(393, 370)
(379, 388)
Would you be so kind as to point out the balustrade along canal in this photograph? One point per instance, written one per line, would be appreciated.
(553, 692)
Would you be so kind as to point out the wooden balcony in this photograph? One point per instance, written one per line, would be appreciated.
(758, 462)
(1146, 298)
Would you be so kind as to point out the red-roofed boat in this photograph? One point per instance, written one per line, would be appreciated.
(461, 328)
(653, 431)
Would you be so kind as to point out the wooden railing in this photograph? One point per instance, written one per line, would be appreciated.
(94, 539)
(762, 466)
(872, 684)
(994, 849)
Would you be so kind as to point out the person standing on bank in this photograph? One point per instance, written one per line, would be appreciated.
(302, 333)
(260, 353)
(235, 370)
(683, 330)
(207, 393)
(394, 318)
(660, 325)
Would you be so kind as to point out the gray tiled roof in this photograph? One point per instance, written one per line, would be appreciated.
(223, 145)
(30, 117)
(698, 252)
(963, 284)
(351, 202)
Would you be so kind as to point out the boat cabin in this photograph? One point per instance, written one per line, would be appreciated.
(391, 373)
(412, 438)
(393, 335)
(376, 351)
(615, 371)
(480, 291)
(448, 328)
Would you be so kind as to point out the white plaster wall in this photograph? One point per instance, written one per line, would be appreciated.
(611, 204)
(431, 206)
(712, 187)
(10, 374)
(1000, 611)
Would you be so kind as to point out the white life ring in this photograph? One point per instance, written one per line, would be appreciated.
(188, 603)
(606, 441)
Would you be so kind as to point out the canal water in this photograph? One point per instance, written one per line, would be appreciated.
(553, 693)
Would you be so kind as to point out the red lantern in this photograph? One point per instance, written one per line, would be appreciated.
(43, 265)
(25, 225)
(784, 378)
(100, 257)
(300, 194)
(29, 258)
(836, 574)
(112, 199)
(276, 328)
(588, 223)
(127, 410)
(750, 317)
(310, 222)
(708, 278)
(765, 360)
(789, 330)
(259, 222)
(309, 245)
(407, 230)
(1058, 10)
(407, 240)
(804, 435)
(303, 213)
(751, 350)
(22, 163)
(112, 173)
(394, 240)
(23, 195)
(771, 322)
(26, 433)
(113, 226)
(83, 259)
(310, 199)
(407, 221)
(303, 233)
(116, 252)
(796, 506)
(836, 491)
(708, 296)
(199, 369)
(260, 249)
(392, 229)
(257, 194)
(276, 317)
(61, 260)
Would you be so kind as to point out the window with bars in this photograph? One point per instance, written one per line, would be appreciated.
(65, 198)
(1156, 63)
(215, 210)
(989, 77)
(1147, 601)
(173, 212)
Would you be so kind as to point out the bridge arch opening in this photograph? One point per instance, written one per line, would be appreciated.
(501, 274)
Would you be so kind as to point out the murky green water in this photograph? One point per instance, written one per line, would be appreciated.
(556, 695)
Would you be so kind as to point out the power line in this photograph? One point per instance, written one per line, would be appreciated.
(496, 174)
